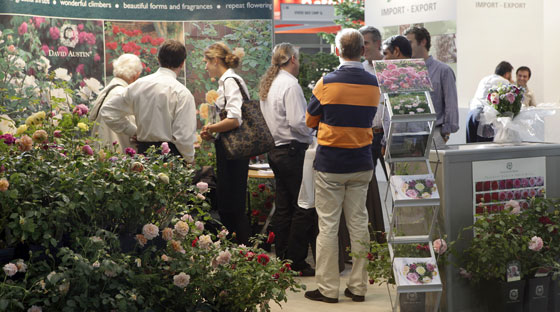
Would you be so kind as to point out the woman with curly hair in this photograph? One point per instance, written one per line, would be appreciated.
(232, 173)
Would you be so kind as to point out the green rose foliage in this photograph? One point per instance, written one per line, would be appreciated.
(484, 249)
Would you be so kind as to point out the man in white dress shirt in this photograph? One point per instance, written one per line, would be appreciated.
(163, 107)
(522, 75)
(501, 76)
(283, 106)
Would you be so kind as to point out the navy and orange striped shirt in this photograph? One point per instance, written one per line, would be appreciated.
(342, 108)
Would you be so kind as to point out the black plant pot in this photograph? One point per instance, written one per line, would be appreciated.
(412, 302)
(554, 295)
(536, 296)
(505, 296)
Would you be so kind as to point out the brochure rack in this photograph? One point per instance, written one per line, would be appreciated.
(405, 88)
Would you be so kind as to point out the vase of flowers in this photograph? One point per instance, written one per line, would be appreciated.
(504, 103)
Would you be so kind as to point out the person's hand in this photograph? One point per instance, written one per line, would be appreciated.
(383, 150)
(134, 139)
(205, 134)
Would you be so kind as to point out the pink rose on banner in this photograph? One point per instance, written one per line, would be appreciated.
(80, 27)
(532, 193)
(80, 69)
(524, 193)
(22, 29)
(539, 181)
(54, 32)
(96, 57)
(536, 243)
(524, 182)
(509, 184)
(509, 195)
(38, 21)
(45, 49)
(532, 182)
(517, 194)
(63, 51)
(516, 183)
(502, 184)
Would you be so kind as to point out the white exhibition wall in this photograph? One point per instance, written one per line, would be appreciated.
(522, 32)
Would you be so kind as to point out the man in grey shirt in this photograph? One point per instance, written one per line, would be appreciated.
(444, 96)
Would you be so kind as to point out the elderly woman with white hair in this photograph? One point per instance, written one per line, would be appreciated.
(126, 69)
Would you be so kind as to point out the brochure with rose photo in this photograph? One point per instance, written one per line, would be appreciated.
(414, 187)
(416, 271)
(402, 75)
(409, 103)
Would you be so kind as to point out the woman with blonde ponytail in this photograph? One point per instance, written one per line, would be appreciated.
(283, 106)
(232, 174)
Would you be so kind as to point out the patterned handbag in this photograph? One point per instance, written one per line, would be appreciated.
(253, 137)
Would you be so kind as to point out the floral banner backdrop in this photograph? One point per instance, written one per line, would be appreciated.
(141, 39)
(402, 75)
(253, 37)
(33, 47)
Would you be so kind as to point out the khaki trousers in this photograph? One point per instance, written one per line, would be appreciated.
(334, 193)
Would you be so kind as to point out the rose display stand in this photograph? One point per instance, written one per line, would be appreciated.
(405, 88)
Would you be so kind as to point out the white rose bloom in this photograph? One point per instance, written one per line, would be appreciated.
(62, 74)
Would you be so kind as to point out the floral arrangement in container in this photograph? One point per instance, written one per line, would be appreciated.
(402, 75)
(503, 104)
(409, 103)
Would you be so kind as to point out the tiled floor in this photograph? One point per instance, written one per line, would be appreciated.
(377, 299)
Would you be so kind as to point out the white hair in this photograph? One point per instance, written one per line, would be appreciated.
(349, 42)
(127, 66)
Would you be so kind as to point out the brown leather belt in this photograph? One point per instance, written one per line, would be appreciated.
(377, 130)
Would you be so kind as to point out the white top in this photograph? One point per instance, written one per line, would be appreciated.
(230, 90)
(284, 110)
(100, 129)
(487, 83)
(380, 115)
(164, 109)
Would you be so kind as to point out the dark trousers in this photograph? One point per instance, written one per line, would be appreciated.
(287, 164)
(143, 147)
(304, 230)
(232, 191)
(373, 200)
(472, 127)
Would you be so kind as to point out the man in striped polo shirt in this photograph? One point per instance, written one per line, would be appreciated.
(342, 108)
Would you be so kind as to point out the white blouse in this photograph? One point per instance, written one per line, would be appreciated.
(229, 90)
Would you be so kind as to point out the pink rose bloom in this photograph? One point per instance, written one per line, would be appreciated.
(22, 29)
(440, 246)
(532, 182)
(510, 97)
(57, 134)
(524, 193)
(516, 183)
(199, 225)
(35, 308)
(536, 243)
(80, 109)
(80, 27)
(509, 195)
(181, 280)
(539, 181)
(130, 151)
(391, 66)
(202, 186)
(96, 57)
(165, 148)
(167, 234)
(150, 231)
(223, 257)
(412, 193)
(532, 193)
(517, 194)
(54, 32)
(413, 277)
(38, 21)
(4, 185)
(524, 182)
(80, 69)
(63, 51)
(187, 218)
(430, 267)
(11, 48)
(514, 207)
(45, 49)
(87, 149)
(182, 228)
(10, 269)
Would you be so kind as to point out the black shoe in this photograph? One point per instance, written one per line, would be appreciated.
(317, 296)
(356, 298)
(308, 271)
